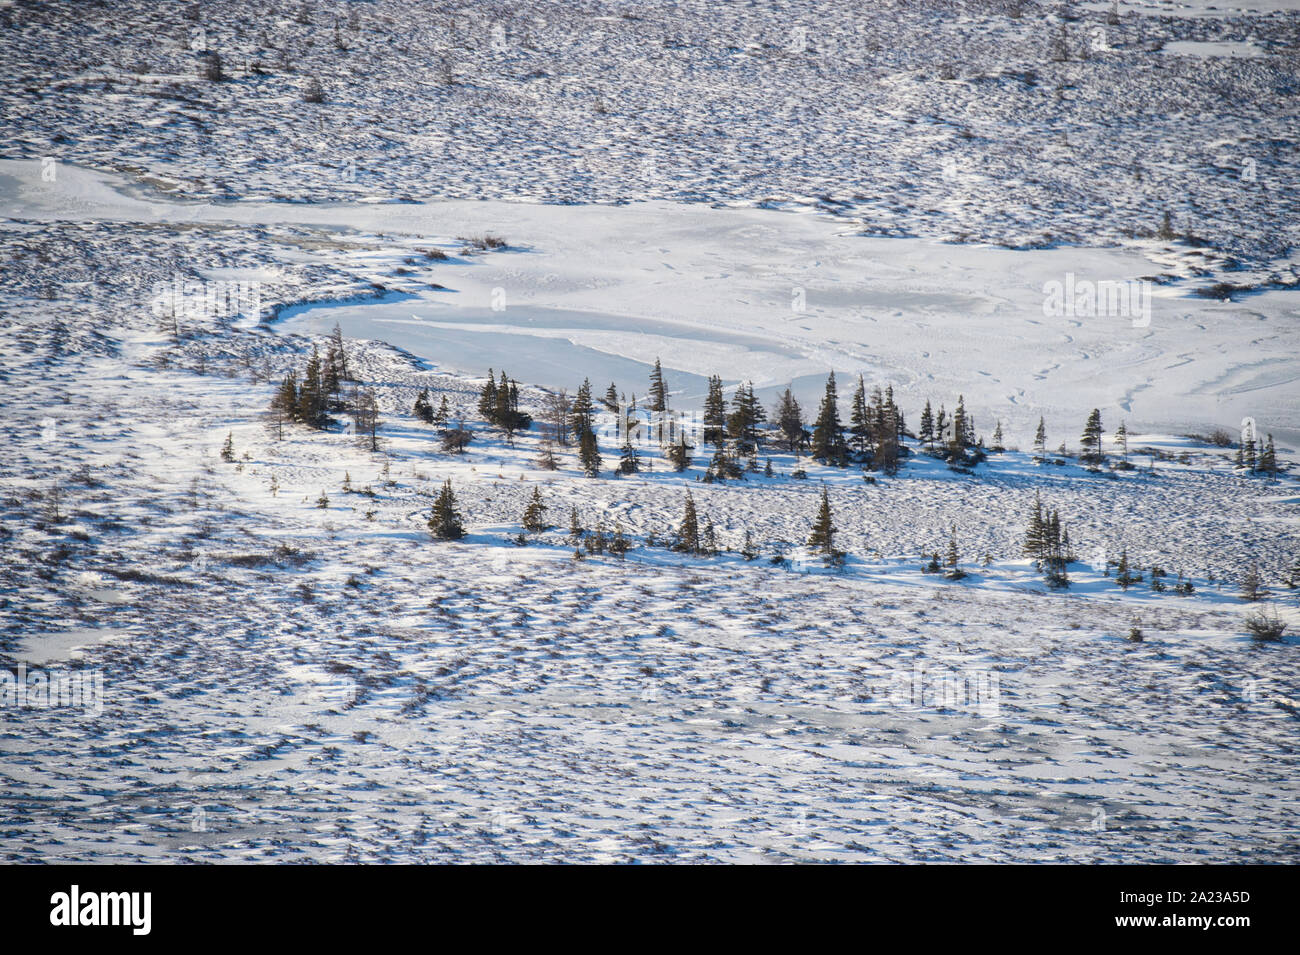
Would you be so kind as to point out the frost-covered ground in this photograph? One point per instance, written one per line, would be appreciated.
(956, 120)
(289, 682)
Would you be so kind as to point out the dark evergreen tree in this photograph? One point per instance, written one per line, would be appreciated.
(861, 430)
(619, 545)
(715, 413)
(680, 454)
(228, 449)
(1040, 440)
(340, 354)
(1124, 577)
(575, 526)
(445, 521)
(582, 413)
(658, 390)
(611, 398)
(629, 460)
(1252, 586)
(1035, 533)
(688, 535)
(588, 453)
(957, 440)
(311, 396)
(331, 380)
(998, 446)
(828, 435)
(709, 540)
(1268, 458)
(365, 418)
(749, 550)
(535, 514)
(487, 399)
(423, 409)
(822, 538)
(724, 466)
(926, 434)
(746, 416)
(441, 416)
(789, 421)
(1091, 439)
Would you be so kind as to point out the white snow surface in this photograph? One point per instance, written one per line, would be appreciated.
(291, 682)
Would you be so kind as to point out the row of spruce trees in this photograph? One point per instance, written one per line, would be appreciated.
(874, 436)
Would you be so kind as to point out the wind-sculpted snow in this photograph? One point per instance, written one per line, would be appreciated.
(289, 683)
(264, 655)
(964, 121)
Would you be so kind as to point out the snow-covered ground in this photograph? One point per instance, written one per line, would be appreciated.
(285, 681)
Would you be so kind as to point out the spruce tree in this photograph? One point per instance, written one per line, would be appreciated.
(680, 454)
(535, 514)
(575, 526)
(715, 413)
(749, 550)
(443, 413)
(581, 413)
(487, 399)
(1035, 534)
(1252, 587)
(789, 420)
(688, 535)
(1123, 577)
(926, 433)
(501, 411)
(960, 430)
(311, 397)
(331, 382)
(284, 405)
(1040, 439)
(629, 460)
(828, 435)
(822, 538)
(588, 453)
(445, 522)
(619, 545)
(709, 540)
(365, 417)
(1091, 439)
(423, 409)
(658, 390)
(998, 446)
(1121, 438)
(1268, 458)
(597, 542)
(746, 415)
(950, 559)
(340, 354)
(611, 398)
(860, 423)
